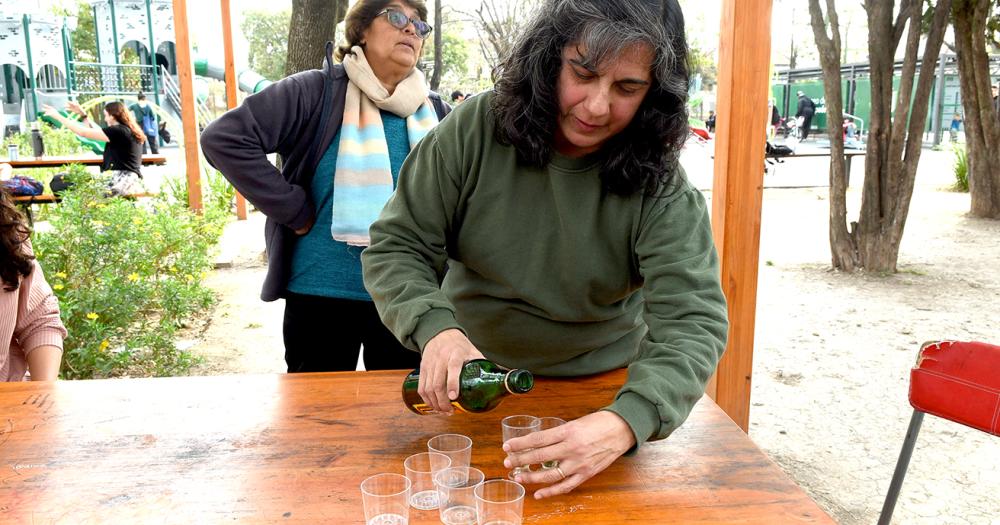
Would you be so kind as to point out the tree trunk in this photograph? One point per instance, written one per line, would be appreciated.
(895, 137)
(843, 246)
(982, 128)
(313, 24)
(438, 62)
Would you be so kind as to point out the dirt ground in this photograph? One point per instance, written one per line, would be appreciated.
(833, 351)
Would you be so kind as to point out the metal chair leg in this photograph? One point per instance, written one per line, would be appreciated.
(901, 465)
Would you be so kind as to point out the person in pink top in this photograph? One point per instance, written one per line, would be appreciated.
(29, 312)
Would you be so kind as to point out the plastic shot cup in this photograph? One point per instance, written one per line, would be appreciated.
(386, 499)
(456, 494)
(456, 446)
(420, 470)
(499, 502)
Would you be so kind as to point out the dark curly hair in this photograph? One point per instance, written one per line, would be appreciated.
(15, 260)
(525, 104)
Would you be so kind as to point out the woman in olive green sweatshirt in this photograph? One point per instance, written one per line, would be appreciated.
(573, 241)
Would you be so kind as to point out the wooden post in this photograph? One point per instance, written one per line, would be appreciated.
(227, 45)
(737, 191)
(185, 78)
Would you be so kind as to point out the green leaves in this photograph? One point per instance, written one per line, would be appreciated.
(128, 275)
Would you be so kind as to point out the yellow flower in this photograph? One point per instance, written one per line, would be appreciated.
(57, 287)
(137, 221)
(62, 275)
(97, 224)
(92, 316)
(189, 277)
(133, 277)
(104, 345)
(173, 269)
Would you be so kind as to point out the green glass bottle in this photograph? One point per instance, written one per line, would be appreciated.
(482, 386)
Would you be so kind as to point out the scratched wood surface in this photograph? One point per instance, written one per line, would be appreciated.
(294, 448)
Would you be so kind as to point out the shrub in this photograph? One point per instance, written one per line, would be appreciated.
(961, 165)
(57, 142)
(127, 275)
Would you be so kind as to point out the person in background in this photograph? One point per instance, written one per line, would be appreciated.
(457, 97)
(775, 119)
(29, 312)
(574, 243)
(319, 206)
(996, 103)
(805, 113)
(710, 122)
(955, 127)
(146, 119)
(123, 152)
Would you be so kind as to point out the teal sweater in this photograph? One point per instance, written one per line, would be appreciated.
(320, 265)
(549, 273)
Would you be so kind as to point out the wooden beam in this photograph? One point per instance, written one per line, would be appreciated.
(227, 46)
(185, 78)
(737, 191)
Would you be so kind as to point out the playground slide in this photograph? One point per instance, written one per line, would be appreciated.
(248, 80)
(96, 146)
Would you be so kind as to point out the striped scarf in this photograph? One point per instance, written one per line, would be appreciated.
(362, 180)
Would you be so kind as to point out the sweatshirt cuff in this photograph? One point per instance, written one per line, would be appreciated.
(640, 414)
(433, 323)
(304, 217)
(43, 337)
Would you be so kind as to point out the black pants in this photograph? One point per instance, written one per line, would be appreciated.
(807, 119)
(323, 334)
(151, 143)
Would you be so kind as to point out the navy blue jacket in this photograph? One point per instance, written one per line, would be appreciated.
(284, 118)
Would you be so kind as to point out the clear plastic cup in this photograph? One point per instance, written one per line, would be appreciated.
(386, 499)
(518, 426)
(420, 470)
(499, 502)
(456, 494)
(456, 446)
(549, 423)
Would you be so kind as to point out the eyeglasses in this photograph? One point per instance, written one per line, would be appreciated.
(399, 20)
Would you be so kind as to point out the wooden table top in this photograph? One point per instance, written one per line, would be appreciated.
(49, 161)
(295, 448)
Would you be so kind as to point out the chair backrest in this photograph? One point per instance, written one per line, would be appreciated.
(959, 381)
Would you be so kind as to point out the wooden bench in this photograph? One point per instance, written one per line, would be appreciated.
(87, 160)
(25, 201)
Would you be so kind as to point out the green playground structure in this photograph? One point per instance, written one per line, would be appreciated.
(95, 146)
(38, 67)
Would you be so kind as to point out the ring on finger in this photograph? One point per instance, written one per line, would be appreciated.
(562, 475)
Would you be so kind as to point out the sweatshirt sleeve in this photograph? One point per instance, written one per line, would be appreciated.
(685, 312)
(274, 120)
(406, 260)
(38, 322)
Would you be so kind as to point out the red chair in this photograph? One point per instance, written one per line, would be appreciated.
(958, 381)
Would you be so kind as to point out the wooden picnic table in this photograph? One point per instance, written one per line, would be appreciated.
(295, 448)
(50, 161)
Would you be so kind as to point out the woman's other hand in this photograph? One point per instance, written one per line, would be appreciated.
(76, 108)
(52, 112)
(583, 448)
(440, 367)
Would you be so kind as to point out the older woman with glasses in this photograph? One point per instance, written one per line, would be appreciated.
(342, 134)
(574, 244)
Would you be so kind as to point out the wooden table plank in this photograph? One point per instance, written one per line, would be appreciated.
(62, 160)
(294, 448)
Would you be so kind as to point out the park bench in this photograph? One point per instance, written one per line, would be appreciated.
(26, 201)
